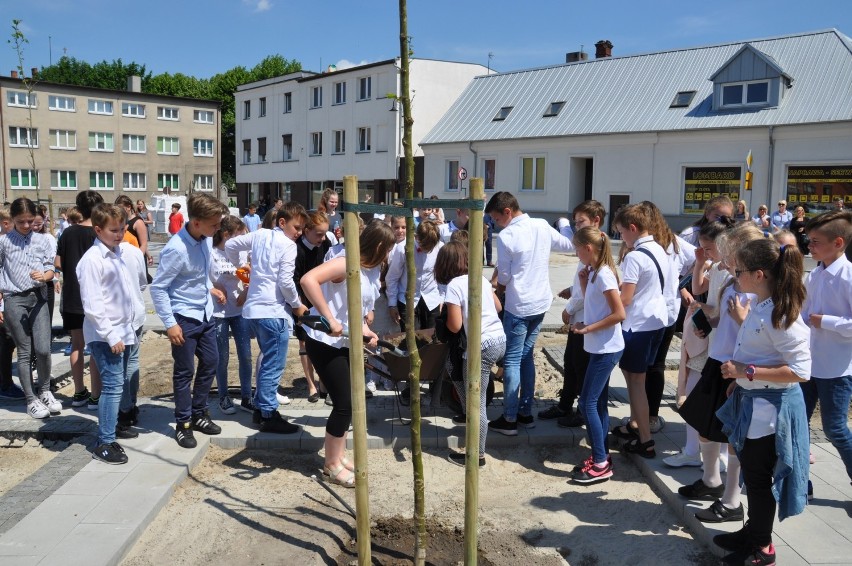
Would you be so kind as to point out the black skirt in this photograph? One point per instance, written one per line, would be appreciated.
(709, 394)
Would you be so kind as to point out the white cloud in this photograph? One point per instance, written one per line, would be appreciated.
(259, 5)
(347, 64)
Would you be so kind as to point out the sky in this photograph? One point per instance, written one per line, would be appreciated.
(205, 37)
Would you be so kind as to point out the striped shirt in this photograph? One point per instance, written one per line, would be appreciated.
(19, 256)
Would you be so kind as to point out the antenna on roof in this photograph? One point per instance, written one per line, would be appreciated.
(490, 57)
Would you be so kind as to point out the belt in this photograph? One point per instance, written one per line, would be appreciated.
(24, 293)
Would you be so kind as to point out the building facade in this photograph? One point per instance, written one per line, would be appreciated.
(303, 132)
(61, 139)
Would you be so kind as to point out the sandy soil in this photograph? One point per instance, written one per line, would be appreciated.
(19, 459)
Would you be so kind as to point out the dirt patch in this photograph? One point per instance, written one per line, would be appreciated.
(20, 459)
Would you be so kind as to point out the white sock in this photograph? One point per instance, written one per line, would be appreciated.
(731, 497)
(710, 456)
(723, 455)
(691, 448)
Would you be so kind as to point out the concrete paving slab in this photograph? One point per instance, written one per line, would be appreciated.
(145, 489)
(92, 543)
(93, 482)
(47, 525)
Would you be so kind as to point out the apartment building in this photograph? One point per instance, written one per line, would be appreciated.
(111, 141)
(300, 133)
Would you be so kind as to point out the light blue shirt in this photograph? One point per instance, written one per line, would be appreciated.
(781, 221)
(182, 283)
(252, 222)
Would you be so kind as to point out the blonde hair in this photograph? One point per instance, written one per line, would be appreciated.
(591, 236)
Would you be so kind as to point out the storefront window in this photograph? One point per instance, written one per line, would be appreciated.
(815, 187)
(703, 183)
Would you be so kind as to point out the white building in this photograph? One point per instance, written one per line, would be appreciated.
(673, 127)
(302, 132)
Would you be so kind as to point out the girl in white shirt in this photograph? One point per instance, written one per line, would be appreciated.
(427, 295)
(603, 313)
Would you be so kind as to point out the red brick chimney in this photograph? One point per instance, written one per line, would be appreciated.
(14, 74)
(603, 48)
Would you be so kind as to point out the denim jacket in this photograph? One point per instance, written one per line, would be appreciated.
(792, 441)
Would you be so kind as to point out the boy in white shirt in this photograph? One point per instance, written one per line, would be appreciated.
(112, 301)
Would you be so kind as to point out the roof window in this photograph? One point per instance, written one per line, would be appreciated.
(683, 99)
(553, 109)
(503, 113)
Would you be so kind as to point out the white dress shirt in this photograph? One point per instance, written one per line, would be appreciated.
(574, 307)
(830, 294)
(457, 294)
(649, 309)
(425, 286)
(607, 340)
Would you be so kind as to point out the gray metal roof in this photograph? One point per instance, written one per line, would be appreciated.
(633, 93)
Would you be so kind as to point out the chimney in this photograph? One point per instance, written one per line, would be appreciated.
(576, 56)
(603, 48)
(34, 72)
(134, 83)
(14, 74)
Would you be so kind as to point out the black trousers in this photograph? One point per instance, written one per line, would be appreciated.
(575, 362)
(757, 461)
(655, 378)
(423, 317)
(332, 367)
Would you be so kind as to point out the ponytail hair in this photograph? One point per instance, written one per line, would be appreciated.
(783, 266)
(659, 228)
(591, 236)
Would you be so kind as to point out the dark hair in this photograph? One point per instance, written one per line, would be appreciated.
(124, 200)
(268, 221)
(427, 235)
(376, 242)
(633, 214)
(230, 224)
(460, 236)
(290, 210)
(326, 195)
(715, 228)
(176, 205)
(86, 201)
(834, 224)
(783, 267)
(590, 208)
(451, 262)
(20, 206)
(500, 201)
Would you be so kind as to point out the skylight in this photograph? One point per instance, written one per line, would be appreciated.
(503, 113)
(553, 109)
(683, 99)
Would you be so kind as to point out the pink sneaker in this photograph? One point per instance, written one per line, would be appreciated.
(811, 458)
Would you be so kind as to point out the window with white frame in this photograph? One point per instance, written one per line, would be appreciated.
(101, 180)
(24, 179)
(203, 183)
(532, 173)
(316, 97)
(100, 141)
(261, 111)
(287, 103)
(316, 143)
(168, 146)
(755, 93)
(287, 143)
(452, 175)
(365, 88)
(62, 103)
(133, 143)
(202, 148)
(63, 139)
(132, 110)
(246, 109)
(489, 173)
(340, 93)
(63, 180)
(135, 182)
(97, 106)
(261, 150)
(21, 98)
(364, 143)
(339, 141)
(246, 151)
(170, 180)
(23, 137)
(168, 113)
(202, 116)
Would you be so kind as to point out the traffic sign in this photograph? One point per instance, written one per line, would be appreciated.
(462, 173)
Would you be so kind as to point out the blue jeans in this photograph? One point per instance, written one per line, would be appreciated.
(518, 363)
(114, 378)
(199, 343)
(834, 395)
(273, 334)
(128, 397)
(239, 327)
(593, 401)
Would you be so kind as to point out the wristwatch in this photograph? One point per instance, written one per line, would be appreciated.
(749, 372)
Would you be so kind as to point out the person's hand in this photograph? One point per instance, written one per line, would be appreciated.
(393, 313)
(686, 297)
(335, 327)
(118, 348)
(150, 260)
(583, 275)
(738, 310)
(300, 311)
(175, 334)
(38, 276)
(730, 390)
(579, 328)
(700, 256)
(565, 293)
(815, 320)
(733, 370)
(371, 339)
(219, 296)
(369, 318)
(1, 317)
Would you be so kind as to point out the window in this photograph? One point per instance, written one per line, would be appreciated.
(21, 98)
(101, 180)
(203, 183)
(364, 139)
(63, 139)
(24, 179)
(202, 116)
(316, 97)
(100, 106)
(503, 113)
(287, 103)
(132, 110)
(170, 180)
(63, 180)
(339, 141)
(287, 142)
(168, 146)
(135, 182)
(100, 141)
(202, 148)
(365, 88)
(261, 150)
(489, 173)
(553, 109)
(261, 112)
(683, 99)
(62, 103)
(316, 143)
(745, 94)
(23, 137)
(132, 143)
(170, 113)
(452, 175)
(339, 93)
(532, 173)
(246, 151)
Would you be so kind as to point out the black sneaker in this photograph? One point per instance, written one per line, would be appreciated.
(737, 541)
(80, 399)
(570, 420)
(460, 420)
(107, 454)
(591, 474)
(459, 459)
(405, 397)
(810, 490)
(754, 557)
(125, 432)
(203, 424)
(699, 490)
(118, 447)
(277, 424)
(125, 418)
(718, 513)
(184, 436)
(503, 426)
(246, 404)
(552, 412)
(526, 421)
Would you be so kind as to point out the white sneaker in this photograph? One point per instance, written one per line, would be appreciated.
(371, 386)
(682, 459)
(227, 406)
(49, 401)
(282, 399)
(37, 410)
